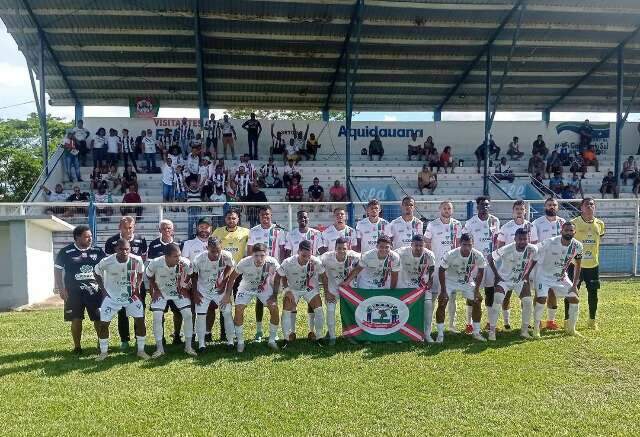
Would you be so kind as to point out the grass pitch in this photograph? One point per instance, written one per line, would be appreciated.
(557, 385)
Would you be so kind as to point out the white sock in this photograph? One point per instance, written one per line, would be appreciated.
(494, 310)
(428, 315)
(440, 327)
(140, 341)
(476, 327)
(187, 326)
(294, 322)
(469, 311)
(201, 326)
(311, 321)
(318, 319)
(228, 323)
(537, 314)
(527, 307)
(286, 324)
(506, 315)
(451, 306)
(259, 327)
(551, 313)
(240, 334)
(157, 329)
(573, 315)
(273, 332)
(104, 345)
(331, 319)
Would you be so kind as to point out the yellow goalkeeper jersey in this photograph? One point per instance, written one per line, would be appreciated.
(589, 234)
(234, 242)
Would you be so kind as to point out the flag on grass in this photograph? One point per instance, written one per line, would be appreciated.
(382, 315)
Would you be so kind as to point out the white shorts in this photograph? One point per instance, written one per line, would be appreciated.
(560, 288)
(515, 286)
(465, 289)
(488, 279)
(110, 308)
(161, 304)
(202, 307)
(306, 295)
(245, 297)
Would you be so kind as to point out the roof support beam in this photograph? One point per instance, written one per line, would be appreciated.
(619, 120)
(202, 94)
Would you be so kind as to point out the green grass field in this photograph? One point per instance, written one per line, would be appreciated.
(557, 385)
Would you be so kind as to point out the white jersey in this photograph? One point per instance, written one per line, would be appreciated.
(376, 272)
(191, 248)
(331, 234)
(368, 232)
(226, 127)
(554, 258)
(210, 273)
(403, 231)
(511, 264)
(443, 236)
(302, 278)
(254, 278)
(507, 232)
(120, 279)
(338, 270)
(544, 229)
(461, 270)
(169, 278)
(272, 237)
(295, 237)
(484, 233)
(149, 145)
(415, 270)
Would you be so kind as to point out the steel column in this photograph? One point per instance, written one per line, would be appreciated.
(487, 119)
(619, 115)
(202, 93)
(79, 112)
(43, 106)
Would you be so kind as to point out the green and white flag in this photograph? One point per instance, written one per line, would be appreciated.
(382, 315)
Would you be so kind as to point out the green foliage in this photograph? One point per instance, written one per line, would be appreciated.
(243, 113)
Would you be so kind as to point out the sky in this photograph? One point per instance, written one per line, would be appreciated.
(17, 100)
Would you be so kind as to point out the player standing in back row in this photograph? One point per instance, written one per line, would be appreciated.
(405, 227)
(370, 228)
(339, 229)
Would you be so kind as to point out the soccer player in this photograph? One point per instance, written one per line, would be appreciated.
(273, 237)
(370, 228)
(139, 247)
(484, 228)
(299, 274)
(403, 228)
(455, 274)
(544, 227)
(516, 262)
(259, 280)
(169, 281)
(79, 288)
(554, 257)
(377, 268)
(443, 235)
(417, 266)
(211, 269)
(119, 277)
(589, 231)
(339, 229)
(337, 264)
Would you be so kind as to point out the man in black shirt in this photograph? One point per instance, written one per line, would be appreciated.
(254, 129)
(138, 247)
(79, 289)
(316, 193)
(255, 194)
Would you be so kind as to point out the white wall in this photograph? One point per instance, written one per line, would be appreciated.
(40, 262)
(6, 277)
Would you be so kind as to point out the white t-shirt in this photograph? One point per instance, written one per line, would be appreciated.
(193, 164)
(80, 133)
(368, 232)
(554, 258)
(57, 197)
(112, 144)
(376, 272)
(294, 238)
(461, 270)
(167, 277)
(99, 142)
(210, 272)
(257, 279)
(338, 270)
(331, 234)
(508, 231)
(120, 279)
(484, 232)
(513, 264)
(443, 236)
(415, 270)
(402, 231)
(290, 170)
(272, 237)
(544, 229)
(302, 277)
(193, 247)
(149, 144)
(226, 127)
(217, 210)
(167, 174)
(415, 143)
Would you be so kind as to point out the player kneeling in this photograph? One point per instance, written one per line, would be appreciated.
(554, 257)
(119, 277)
(513, 274)
(456, 275)
(211, 269)
(258, 276)
(169, 282)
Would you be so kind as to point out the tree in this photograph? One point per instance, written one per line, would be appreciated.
(243, 113)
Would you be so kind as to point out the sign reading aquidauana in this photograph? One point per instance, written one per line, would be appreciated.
(382, 315)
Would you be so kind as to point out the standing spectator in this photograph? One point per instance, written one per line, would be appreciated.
(556, 183)
(249, 168)
(514, 149)
(300, 139)
(427, 180)
(192, 166)
(480, 152)
(217, 212)
(98, 144)
(180, 184)
(228, 136)
(338, 193)
(128, 149)
(242, 180)
(183, 134)
(609, 185)
(536, 165)
(255, 195)
(81, 135)
(57, 196)
(139, 138)
(278, 144)
(205, 172)
(290, 171)
(540, 147)
(415, 147)
(589, 157)
(554, 163)
(149, 148)
(70, 157)
(629, 170)
(165, 142)
(211, 135)
(312, 146)
(132, 196)
(197, 142)
(194, 195)
(167, 180)
(586, 135)
(375, 148)
(254, 129)
(270, 175)
(295, 192)
(176, 156)
(503, 171)
(316, 193)
(219, 178)
(434, 160)
(446, 159)
(113, 147)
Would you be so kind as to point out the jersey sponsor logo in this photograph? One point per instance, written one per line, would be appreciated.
(93, 256)
(381, 315)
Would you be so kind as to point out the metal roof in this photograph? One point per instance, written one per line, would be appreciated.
(283, 53)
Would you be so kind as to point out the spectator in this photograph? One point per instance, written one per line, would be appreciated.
(493, 148)
(295, 192)
(129, 149)
(255, 195)
(536, 165)
(316, 193)
(629, 170)
(434, 159)
(249, 168)
(113, 147)
(427, 180)
(565, 155)
(503, 171)
(375, 148)
(254, 129)
(180, 184)
(415, 147)
(95, 178)
(446, 159)
(57, 196)
(167, 180)
(609, 185)
(77, 196)
(232, 196)
(312, 146)
(197, 142)
(149, 148)
(70, 157)
(81, 135)
(270, 175)
(211, 135)
(228, 136)
(183, 134)
(192, 164)
(291, 151)
(113, 177)
(338, 193)
(573, 188)
(290, 171)
(242, 180)
(554, 163)
(636, 184)
(278, 145)
(540, 147)
(577, 165)
(481, 150)
(514, 149)
(176, 156)
(194, 196)
(219, 178)
(217, 212)
(128, 177)
(300, 139)
(429, 146)
(205, 172)
(586, 135)
(589, 157)
(556, 183)
(98, 144)
(132, 196)
(164, 143)
(102, 196)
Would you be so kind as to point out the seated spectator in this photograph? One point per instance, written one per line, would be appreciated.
(556, 183)
(232, 195)
(428, 147)
(278, 145)
(446, 159)
(249, 168)
(176, 156)
(217, 212)
(312, 146)
(129, 177)
(589, 157)
(636, 184)
(295, 192)
(58, 195)
(415, 147)
(540, 147)
(95, 178)
(573, 189)
(292, 151)
(219, 178)
(269, 175)
(629, 170)
(77, 196)
(493, 148)
(192, 164)
(290, 171)
(577, 165)
(316, 193)
(554, 164)
(514, 149)
(536, 165)
(255, 195)
(113, 177)
(338, 193)
(609, 185)
(375, 148)
(427, 180)
(180, 184)
(132, 196)
(102, 196)
(503, 171)
(242, 180)
(434, 159)
(168, 180)
(565, 154)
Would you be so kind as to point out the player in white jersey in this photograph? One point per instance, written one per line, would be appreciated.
(273, 237)
(516, 262)
(417, 266)
(548, 226)
(211, 269)
(484, 228)
(370, 228)
(377, 268)
(299, 275)
(259, 280)
(443, 234)
(119, 277)
(461, 270)
(169, 280)
(337, 265)
(403, 228)
(339, 229)
(554, 257)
